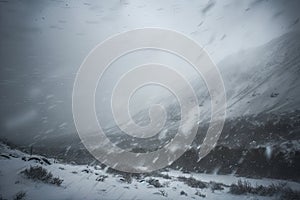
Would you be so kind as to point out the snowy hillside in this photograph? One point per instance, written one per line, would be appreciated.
(263, 79)
(93, 182)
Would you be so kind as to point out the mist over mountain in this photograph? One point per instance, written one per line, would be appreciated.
(262, 98)
(43, 44)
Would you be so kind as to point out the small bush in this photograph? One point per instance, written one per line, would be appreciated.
(155, 183)
(192, 182)
(20, 195)
(244, 187)
(38, 173)
(240, 188)
(56, 181)
(216, 186)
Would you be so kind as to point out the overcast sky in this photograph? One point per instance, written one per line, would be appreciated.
(42, 44)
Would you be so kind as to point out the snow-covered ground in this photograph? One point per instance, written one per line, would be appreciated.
(80, 182)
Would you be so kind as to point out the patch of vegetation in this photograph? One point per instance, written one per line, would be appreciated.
(245, 187)
(216, 186)
(242, 187)
(38, 173)
(183, 193)
(155, 183)
(20, 195)
(192, 182)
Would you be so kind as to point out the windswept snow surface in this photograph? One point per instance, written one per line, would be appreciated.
(79, 182)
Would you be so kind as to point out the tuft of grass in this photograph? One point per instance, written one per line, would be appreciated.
(192, 182)
(242, 187)
(38, 173)
(245, 187)
(216, 186)
(155, 183)
(56, 181)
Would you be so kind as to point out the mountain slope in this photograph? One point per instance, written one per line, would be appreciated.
(264, 79)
